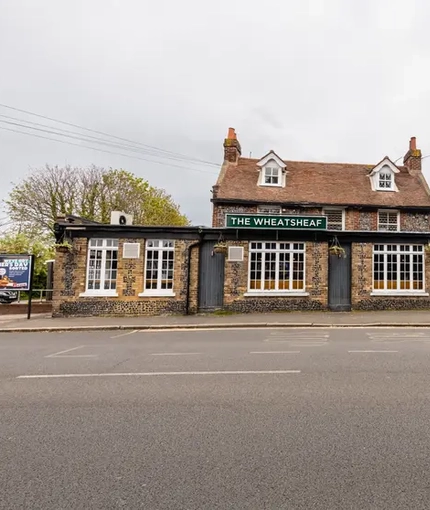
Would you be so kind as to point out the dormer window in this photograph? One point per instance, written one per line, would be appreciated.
(385, 181)
(382, 177)
(272, 170)
(271, 175)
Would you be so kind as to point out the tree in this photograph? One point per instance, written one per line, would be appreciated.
(41, 248)
(91, 193)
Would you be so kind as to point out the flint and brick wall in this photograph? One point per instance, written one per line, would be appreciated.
(354, 218)
(236, 284)
(70, 283)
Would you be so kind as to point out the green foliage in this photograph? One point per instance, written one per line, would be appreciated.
(41, 248)
(91, 193)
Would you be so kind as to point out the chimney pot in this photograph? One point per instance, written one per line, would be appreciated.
(231, 134)
(413, 144)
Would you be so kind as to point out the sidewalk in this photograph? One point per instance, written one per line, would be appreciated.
(43, 322)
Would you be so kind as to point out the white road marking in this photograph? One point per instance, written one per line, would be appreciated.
(274, 352)
(152, 374)
(126, 334)
(398, 338)
(371, 351)
(174, 353)
(59, 354)
(297, 338)
(307, 344)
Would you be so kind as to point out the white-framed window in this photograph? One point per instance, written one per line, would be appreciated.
(276, 267)
(269, 209)
(388, 221)
(385, 180)
(272, 176)
(335, 219)
(398, 268)
(102, 266)
(159, 266)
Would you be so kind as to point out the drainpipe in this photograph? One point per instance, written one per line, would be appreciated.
(190, 247)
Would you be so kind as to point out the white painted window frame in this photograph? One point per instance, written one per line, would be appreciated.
(102, 292)
(160, 248)
(343, 217)
(390, 211)
(275, 172)
(269, 206)
(397, 252)
(390, 180)
(262, 292)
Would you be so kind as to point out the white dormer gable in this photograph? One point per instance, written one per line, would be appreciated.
(382, 177)
(272, 170)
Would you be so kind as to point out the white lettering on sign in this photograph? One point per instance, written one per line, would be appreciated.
(275, 222)
(15, 263)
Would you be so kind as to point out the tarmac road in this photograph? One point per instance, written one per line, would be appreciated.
(242, 419)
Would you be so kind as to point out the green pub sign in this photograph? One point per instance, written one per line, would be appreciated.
(276, 222)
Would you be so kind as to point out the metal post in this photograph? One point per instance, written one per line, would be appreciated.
(30, 292)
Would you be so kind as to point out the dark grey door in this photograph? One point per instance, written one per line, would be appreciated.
(211, 278)
(339, 284)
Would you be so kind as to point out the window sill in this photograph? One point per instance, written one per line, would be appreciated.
(399, 293)
(157, 294)
(271, 185)
(271, 293)
(98, 294)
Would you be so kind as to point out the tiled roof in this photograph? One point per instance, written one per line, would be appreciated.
(320, 183)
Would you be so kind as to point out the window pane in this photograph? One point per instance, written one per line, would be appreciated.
(284, 271)
(255, 270)
(270, 271)
(298, 271)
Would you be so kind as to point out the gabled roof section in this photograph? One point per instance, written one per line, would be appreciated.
(268, 157)
(385, 162)
(320, 183)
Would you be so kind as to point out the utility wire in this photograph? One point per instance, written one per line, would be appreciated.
(106, 134)
(103, 150)
(94, 139)
(91, 139)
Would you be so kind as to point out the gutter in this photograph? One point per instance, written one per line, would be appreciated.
(190, 247)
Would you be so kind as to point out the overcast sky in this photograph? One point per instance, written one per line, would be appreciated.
(322, 80)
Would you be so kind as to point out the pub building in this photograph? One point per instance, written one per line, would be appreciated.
(286, 235)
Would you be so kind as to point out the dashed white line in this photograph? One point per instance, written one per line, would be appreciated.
(174, 353)
(126, 334)
(153, 374)
(368, 351)
(59, 354)
(274, 352)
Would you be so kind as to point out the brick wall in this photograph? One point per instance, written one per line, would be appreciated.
(236, 284)
(70, 282)
(219, 212)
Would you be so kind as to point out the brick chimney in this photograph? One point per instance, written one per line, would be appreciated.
(412, 159)
(232, 149)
